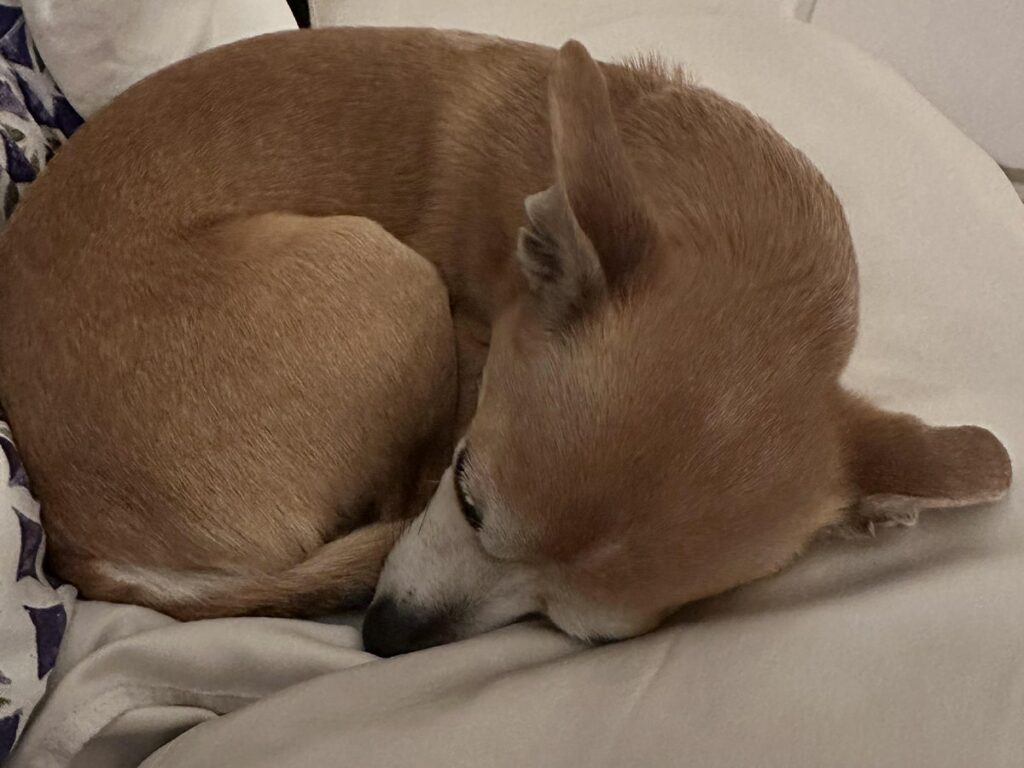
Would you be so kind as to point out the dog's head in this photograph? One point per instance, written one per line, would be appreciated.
(659, 419)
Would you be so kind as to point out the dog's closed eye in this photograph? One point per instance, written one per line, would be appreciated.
(469, 509)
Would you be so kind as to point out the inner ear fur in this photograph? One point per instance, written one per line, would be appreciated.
(558, 259)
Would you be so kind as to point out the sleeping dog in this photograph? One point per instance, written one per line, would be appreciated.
(615, 305)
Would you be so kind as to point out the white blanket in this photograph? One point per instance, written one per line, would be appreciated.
(901, 651)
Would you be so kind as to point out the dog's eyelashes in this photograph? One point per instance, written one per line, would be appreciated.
(469, 510)
(471, 514)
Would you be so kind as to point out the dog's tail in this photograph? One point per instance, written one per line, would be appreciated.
(340, 575)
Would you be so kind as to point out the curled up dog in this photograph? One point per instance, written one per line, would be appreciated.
(600, 324)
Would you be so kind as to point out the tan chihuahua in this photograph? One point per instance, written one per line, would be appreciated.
(231, 397)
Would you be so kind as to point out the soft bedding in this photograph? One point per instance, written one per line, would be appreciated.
(35, 120)
(33, 610)
(903, 650)
(97, 48)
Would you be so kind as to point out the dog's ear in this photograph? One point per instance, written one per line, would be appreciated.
(898, 465)
(558, 259)
(591, 229)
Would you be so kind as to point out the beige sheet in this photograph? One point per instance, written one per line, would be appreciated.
(907, 650)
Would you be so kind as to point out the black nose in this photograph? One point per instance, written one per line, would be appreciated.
(389, 629)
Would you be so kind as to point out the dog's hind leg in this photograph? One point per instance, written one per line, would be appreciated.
(293, 381)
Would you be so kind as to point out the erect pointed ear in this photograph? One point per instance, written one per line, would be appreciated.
(593, 221)
(898, 465)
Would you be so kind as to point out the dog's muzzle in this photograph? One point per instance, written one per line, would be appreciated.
(390, 630)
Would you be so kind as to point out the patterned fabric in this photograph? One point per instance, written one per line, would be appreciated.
(35, 119)
(34, 609)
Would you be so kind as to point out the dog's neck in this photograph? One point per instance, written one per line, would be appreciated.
(494, 152)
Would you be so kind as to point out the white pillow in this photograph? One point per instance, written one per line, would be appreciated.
(95, 49)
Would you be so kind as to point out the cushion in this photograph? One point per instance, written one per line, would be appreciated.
(904, 650)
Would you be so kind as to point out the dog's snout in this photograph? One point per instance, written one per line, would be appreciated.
(390, 629)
